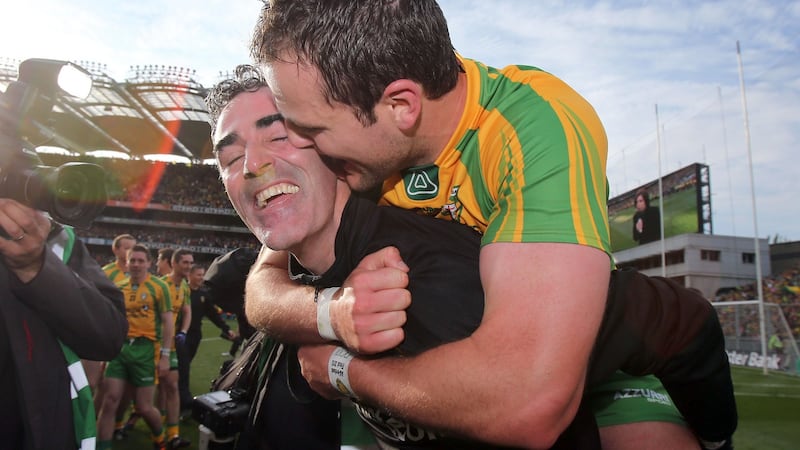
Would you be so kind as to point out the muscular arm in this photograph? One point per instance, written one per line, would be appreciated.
(287, 311)
(523, 367)
(276, 304)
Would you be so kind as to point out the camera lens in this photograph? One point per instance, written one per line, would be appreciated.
(78, 193)
(70, 188)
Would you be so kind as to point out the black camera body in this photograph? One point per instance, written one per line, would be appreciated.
(223, 412)
(73, 193)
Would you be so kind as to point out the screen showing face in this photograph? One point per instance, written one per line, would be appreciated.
(635, 217)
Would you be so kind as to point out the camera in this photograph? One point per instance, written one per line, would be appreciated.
(73, 193)
(223, 412)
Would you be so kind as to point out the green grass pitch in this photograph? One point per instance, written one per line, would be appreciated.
(769, 406)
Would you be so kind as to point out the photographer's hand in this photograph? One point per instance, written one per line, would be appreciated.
(23, 250)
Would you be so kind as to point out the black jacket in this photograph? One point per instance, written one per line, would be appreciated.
(651, 230)
(75, 303)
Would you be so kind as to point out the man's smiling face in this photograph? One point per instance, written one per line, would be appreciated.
(284, 194)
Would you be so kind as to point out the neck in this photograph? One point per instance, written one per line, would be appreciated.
(444, 115)
(138, 279)
(317, 252)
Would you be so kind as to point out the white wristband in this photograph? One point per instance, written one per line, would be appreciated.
(324, 325)
(338, 367)
(166, 352)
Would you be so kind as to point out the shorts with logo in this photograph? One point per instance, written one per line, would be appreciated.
(626, 399)
(136, 363)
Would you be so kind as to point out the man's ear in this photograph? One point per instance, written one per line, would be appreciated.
(404, 99)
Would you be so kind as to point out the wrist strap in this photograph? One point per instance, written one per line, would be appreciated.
(166, 352)
(324, 326)
(338, 368)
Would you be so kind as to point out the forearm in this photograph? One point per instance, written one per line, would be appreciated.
(167, 330)
(210, 311)
(459, 388)
(277, 305)
(525, 364)
(186, 322)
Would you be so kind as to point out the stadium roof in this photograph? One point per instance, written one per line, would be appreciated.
(155, 110)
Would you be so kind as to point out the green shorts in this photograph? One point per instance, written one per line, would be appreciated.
(136, 363)
(173, 359)
(626, 399)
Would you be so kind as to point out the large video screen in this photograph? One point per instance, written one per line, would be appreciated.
(634, 217)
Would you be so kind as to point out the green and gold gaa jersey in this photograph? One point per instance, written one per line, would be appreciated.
(180, 295)
(114, 273)
(527, 163)
(144, 304)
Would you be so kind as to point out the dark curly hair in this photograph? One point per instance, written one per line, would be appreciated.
(246, 78)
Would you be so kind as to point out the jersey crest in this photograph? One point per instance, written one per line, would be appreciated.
(422, 183)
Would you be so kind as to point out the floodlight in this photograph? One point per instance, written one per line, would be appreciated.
(50, 76)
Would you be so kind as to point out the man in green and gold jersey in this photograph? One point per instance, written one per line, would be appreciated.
(146, 353)
(168, 398)
(117, 270)
(516, 153)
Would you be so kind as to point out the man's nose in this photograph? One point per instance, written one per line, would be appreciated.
(258, 160)
(298, 140)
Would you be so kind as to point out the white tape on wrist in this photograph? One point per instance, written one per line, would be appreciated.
(324, 325)
(338, 367)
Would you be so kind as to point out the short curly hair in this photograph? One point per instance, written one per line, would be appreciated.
(246, 78)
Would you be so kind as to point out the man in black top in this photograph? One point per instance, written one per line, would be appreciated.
(224, 283)
(202, 306)
(646, 219)
(291, 200)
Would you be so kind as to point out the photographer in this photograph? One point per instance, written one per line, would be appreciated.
(57, 306)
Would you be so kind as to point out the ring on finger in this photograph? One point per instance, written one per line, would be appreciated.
(20, 237)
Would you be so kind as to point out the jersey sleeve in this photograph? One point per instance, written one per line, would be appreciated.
(164, 303)
(547, 164)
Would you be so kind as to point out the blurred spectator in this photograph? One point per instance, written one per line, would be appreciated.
(782, 289)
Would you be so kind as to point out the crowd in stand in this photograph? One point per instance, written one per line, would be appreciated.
(171, 185)
(174, 237)
(175, 184)
(782, 289)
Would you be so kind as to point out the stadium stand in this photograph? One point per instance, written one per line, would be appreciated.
(188, 209)
(156, 110)
(160, 110)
